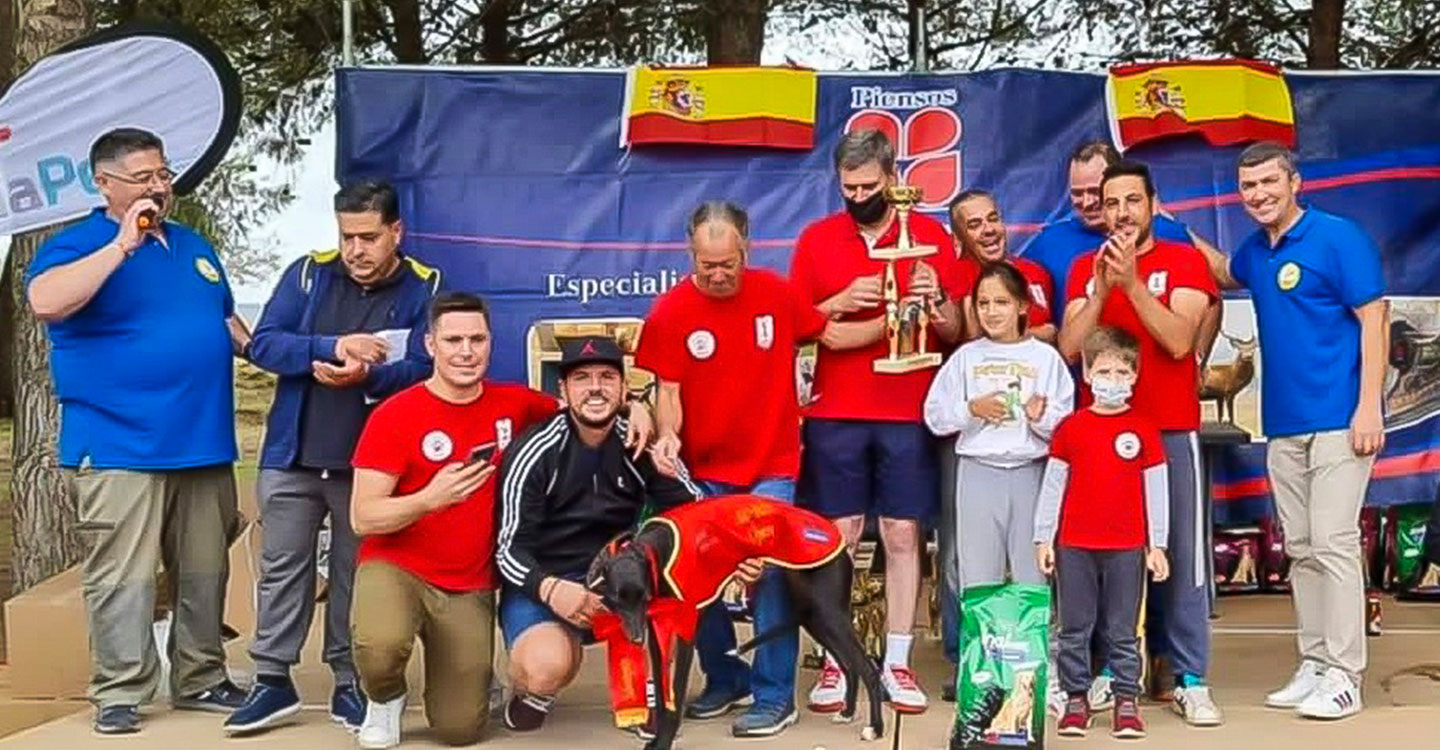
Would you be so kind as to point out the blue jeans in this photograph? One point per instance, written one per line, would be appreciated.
(772, 678)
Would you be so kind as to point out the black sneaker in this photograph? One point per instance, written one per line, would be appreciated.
(117, 720)
(717, 701)
(221, 699)
(526, 713)
(268, 704)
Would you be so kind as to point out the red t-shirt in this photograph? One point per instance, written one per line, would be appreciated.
(735, 362)
(1167, 391)
(1104, 501)
(828, 256)
(1042, 291)
(414, 434)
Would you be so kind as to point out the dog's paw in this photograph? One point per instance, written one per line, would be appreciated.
(868, 734)
(842, 718)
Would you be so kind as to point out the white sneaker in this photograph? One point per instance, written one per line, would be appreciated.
(1197, 705)
(905, 694)
(1102, 693)
(1055, 697)
(828, 695)
(382, 724)
(1301, 685)
(1336, 697)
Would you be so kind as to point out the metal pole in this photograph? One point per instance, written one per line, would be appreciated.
(920, 60)
(347, 25)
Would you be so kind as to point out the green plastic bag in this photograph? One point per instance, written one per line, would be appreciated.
(1000, 689)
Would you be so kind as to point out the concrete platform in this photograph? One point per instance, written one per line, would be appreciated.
(1254, 652)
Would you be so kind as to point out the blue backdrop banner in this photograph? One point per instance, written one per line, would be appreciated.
(515, 183)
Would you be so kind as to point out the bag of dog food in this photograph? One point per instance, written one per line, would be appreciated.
(1412, 576)
(1000, 690)
(1238, 557)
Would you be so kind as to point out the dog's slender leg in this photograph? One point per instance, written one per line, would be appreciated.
(664, 720)
(830, 625)
(684, 654)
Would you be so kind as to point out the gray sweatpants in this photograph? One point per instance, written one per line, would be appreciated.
(996, 521)
(293, 505)
(1091, 587)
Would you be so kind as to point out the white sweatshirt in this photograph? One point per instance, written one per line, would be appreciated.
(1015, 372)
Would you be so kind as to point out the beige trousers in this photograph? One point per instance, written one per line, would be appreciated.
(130, 522)
(1319, 486)
(391, 607)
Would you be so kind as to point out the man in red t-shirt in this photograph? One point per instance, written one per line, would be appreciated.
(722, 347)
(867, 451)
(424, 506)
(1158, 291)
(1102, 503)
(976, 222)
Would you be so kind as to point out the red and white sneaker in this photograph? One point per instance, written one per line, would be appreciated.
(828, 695)
(1126, 723)
(1076, 719)
(905, 693)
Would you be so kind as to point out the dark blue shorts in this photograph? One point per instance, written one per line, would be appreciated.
(880, 469)
(519, 612)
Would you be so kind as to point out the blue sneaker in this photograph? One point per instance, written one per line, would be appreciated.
(266, 706)
(347, 707)
(117, 720)
(716, 701)
(764, 720)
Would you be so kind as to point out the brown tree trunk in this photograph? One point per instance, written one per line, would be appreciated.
(409, 47)
(495, 32)
(1325, 20)
(43, 509)
(735, 31)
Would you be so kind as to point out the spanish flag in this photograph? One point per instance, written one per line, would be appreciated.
(765, 107)
(1225, 101)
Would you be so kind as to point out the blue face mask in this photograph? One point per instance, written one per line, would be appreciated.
(1111, 393)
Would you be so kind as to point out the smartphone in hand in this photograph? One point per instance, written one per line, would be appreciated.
(483, 452)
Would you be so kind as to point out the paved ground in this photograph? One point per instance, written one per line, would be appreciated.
(1253, 654)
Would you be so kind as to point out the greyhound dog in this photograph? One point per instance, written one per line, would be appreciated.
(628, 574)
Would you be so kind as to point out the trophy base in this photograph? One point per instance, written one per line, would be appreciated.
(908, 363)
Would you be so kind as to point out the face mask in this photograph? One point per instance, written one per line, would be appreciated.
(868, 211)
(1111, 393)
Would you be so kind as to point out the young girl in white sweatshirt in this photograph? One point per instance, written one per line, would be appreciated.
(1004, 393)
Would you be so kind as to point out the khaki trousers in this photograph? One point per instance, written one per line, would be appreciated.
(1319, 486)
(130, 522)
(391, 608)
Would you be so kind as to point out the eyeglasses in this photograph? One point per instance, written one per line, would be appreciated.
(163, 176)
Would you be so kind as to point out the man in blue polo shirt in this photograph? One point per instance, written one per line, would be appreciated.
(140, 321)
(343, 330)
(1317, 285)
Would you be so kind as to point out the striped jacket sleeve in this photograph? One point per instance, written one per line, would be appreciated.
(524, 478)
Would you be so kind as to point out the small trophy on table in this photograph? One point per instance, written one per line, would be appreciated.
(907, 328)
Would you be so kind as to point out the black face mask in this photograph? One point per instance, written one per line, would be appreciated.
(869, 211)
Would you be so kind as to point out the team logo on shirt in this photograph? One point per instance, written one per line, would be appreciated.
(764, 331)
(436, 445)
(1288, 277)
(1158, 282)
(207, 270)
(1127, 445)
(1037, 295)
(701, 343)
(504, 432)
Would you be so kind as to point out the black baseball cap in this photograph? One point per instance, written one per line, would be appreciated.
(590, 350)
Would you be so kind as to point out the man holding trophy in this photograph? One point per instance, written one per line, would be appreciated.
(866, 447)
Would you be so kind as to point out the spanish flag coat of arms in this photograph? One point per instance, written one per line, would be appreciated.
(753, 106)
(1224, 101)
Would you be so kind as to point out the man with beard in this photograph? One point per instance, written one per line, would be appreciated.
(975, 219)
(568, 486)
(423, 505)
(1318, 286)
(142, 329)
(867, 450)
(1157, 291)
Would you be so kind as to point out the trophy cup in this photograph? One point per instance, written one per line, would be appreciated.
(906, 329)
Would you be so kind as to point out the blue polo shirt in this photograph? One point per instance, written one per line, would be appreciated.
(1059, 244)
(143, 372)
(1305, 290)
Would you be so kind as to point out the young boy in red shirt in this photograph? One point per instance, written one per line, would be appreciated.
(1105, 493)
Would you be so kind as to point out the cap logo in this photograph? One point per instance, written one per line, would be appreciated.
(588, 349)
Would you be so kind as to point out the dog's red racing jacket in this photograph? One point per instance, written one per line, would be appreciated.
(712, 538)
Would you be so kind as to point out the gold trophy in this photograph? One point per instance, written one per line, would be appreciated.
(907, 329)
